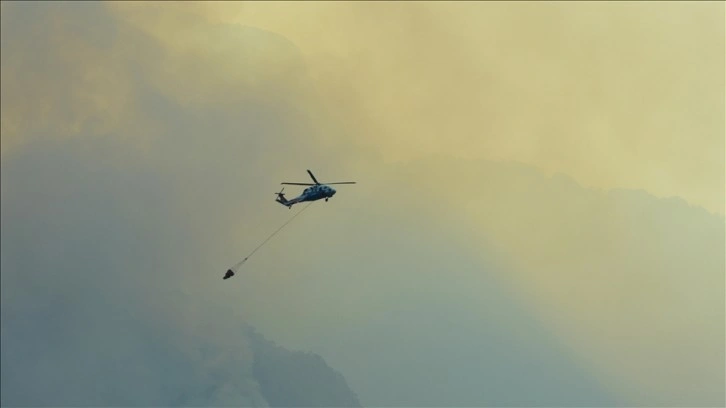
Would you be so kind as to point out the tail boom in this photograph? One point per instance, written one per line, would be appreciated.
(287, 203)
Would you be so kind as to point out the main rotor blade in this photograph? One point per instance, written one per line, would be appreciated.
(313, 177)
(342, 182)
(299, 184)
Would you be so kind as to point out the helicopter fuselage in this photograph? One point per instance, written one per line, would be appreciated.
(312, 193)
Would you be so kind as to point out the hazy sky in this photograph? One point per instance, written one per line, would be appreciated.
(616, 95)
(141, 145)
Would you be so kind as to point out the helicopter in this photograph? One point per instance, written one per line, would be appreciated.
(315, 192)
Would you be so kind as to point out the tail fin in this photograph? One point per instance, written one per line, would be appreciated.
(281, 197)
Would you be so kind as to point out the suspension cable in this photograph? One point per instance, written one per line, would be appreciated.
(235, 268)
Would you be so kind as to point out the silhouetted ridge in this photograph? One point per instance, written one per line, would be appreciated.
(296, 378)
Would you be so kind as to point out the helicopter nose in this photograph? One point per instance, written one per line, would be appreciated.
(332, 191)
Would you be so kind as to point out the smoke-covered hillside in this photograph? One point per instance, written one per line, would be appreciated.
(141, 146)
(258, 372)
(297, 379)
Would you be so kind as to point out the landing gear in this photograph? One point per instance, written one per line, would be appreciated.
(326, 200)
